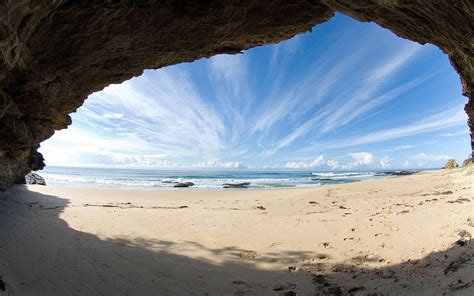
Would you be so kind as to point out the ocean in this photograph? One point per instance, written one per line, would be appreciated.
(164, 179)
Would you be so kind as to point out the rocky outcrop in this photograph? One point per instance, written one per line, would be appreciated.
(236, 185)
(55, 53)
(451, 164)
(467, 162)
(34, 179)
(183, 184)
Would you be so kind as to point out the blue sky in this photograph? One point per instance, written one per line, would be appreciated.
(348, 95)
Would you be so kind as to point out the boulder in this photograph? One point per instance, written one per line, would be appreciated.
(184, 184)
(236, 185)
(34, 179)
(400, 173)
(451, 164)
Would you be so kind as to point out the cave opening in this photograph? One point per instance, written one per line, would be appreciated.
(346, 96)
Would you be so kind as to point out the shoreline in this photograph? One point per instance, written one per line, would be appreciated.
(408, 235)
(191, 188)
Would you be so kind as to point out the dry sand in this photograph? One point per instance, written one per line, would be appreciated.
(402, 236)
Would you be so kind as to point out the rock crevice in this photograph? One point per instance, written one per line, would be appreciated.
(55, 53)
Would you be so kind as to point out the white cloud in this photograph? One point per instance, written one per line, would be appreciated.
(319, 161)
(456, 133)
(112, 115)
(216, 163)
(397, 61)
(438, 121)
(360, 159)
(431, 158)
(385, 162)
(333, 164)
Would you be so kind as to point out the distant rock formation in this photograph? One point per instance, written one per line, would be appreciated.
(34, 179)
(236, 185)
(451, 164)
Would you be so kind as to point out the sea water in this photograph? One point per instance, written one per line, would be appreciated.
(163, 179)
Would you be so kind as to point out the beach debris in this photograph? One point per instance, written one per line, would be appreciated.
(465, 236)
(313, 202)
(184, 184)
(451, 164)
(129, 205)
(247, 254)
(236, 185)
(326, 245)
(459, 200)
(403, 212)
(443, 192)
(291, 268)
(34, 179)
(470, 222)
(261, 208)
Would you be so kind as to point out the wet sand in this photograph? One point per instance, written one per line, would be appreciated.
(409, 235)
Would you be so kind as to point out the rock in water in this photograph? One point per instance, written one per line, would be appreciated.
(451, 164)
(34, 179)
(236, 185)
(184, 184)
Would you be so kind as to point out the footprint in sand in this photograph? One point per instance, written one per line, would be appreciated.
(386, 246)
(242, 287)
(285, 289)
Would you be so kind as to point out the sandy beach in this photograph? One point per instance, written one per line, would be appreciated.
(407, 235)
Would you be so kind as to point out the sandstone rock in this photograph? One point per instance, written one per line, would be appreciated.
(34, 179)
(467, 162)
(53, 54)
(451, 164)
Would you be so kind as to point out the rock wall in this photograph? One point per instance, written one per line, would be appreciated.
(54, 53)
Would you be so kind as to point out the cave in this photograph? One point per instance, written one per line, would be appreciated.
(55, 54)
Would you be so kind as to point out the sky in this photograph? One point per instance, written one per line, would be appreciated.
(346, 96)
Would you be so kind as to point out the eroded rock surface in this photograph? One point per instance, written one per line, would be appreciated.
(451, 164)
(55, 53)
(34, 179)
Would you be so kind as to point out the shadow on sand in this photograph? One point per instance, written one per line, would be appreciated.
(41, 255)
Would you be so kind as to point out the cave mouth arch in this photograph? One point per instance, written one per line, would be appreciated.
(349, 76)
(55, 54)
